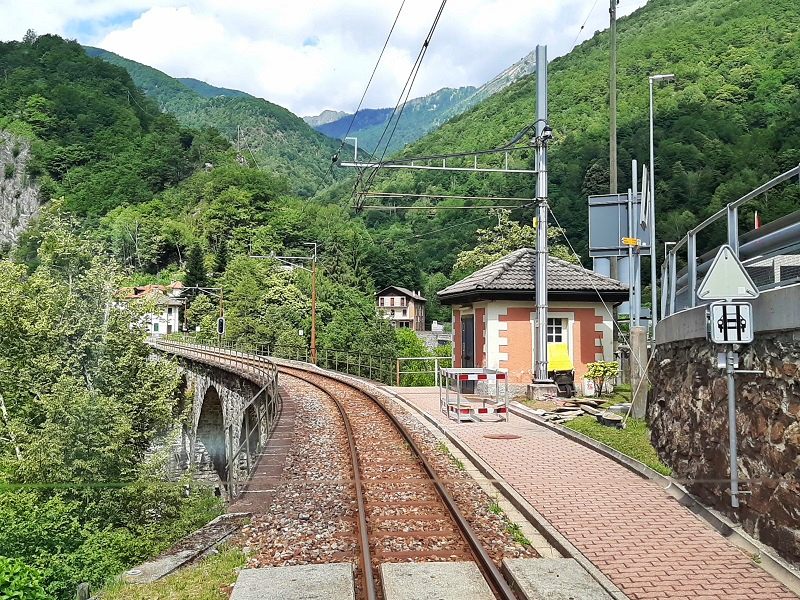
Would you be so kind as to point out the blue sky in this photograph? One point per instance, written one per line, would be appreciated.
(309, 55)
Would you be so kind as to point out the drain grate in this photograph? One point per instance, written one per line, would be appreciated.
(502, 436)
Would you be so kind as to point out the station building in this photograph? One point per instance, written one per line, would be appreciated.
(494, 311)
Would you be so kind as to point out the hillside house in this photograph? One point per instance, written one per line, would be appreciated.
(403, 308)
(168, 300)
(494, 310)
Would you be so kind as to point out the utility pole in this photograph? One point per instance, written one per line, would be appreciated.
(313, 303)
(292, 262)
(612, 101)
(542, 385)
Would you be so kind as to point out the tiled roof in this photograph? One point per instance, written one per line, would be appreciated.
(516, 272)
(143, 291)
(403, 291)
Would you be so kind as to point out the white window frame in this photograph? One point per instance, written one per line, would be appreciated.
(555, 329)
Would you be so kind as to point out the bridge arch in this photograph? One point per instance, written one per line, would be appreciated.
(211, 433)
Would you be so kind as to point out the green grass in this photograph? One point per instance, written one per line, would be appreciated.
(442, 447)
(633, 441)
(621, 393)
(516, 533)
(207, 580)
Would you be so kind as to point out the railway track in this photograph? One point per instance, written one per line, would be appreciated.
(405, 513)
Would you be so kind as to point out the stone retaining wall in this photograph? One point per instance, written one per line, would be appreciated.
(688, 416)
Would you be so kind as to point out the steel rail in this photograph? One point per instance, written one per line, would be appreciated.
(485, 563)
(363, 531)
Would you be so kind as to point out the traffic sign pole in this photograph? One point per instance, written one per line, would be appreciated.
(729, 369)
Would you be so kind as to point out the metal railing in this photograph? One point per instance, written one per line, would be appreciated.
(435, 371)
(360, 364)
(777, 239)
(266, 402)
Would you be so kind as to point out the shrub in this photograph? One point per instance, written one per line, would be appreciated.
(19, 582)
(600, 372)
(8, 171)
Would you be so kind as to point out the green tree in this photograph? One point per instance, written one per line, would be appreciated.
(503, 238)
(195, 268)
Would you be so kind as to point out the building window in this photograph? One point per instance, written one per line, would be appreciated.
(155, 327)
(403, 301)
(391, 301)
(555, 330)
(405, 312)
(380, 300)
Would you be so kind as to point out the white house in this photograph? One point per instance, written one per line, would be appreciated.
(168, 300)
(402, 307)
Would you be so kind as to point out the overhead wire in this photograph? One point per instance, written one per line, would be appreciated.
(401, 104)
(586, 20)
(372, 75)
(462, 223)
(509, 147)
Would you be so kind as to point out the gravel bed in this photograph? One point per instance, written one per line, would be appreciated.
(311, 519)
(491, 528)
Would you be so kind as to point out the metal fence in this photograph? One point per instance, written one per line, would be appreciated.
(407, 377)
(771, 254)
(360, 364)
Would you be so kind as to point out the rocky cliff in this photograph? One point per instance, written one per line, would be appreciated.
(688, 416)
(19, 198)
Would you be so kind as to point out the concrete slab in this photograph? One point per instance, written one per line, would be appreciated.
(307, 582)
(159, 567)
(434, 581)
(552, 579)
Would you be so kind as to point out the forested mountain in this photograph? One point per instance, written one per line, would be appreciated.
(209, 91)
(272, 137)
(420, 115)
(730, 122)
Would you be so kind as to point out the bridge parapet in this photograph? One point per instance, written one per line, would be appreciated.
(688, 415)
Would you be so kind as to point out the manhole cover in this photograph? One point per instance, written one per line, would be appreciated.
(502, 436)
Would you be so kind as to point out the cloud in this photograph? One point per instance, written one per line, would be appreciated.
(308, 55)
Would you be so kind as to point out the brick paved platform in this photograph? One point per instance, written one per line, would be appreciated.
(639, 537)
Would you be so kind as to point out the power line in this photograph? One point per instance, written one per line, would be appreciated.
(462, 223)
(459, 224)
(132, 97)
(375, 68)
(413, 77)
(401, 104)
(386, 207)
(440, 196)
(586, 20)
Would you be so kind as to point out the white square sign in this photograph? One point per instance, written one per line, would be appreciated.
(730, 323)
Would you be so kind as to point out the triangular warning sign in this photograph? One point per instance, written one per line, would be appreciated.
(727, 279)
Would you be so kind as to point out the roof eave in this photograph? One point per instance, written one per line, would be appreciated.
(613, 296)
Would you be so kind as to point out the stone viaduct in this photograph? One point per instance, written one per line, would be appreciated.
(228, 414)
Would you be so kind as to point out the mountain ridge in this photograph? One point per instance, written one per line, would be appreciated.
(420, 115)
(271, 136)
